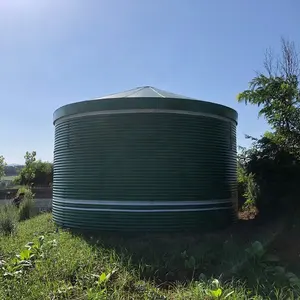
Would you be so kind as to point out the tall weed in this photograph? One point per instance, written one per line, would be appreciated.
(8, 219)
(27, 205)
(251, 191)
(248, 188)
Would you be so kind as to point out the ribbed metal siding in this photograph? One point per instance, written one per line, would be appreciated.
(144, 171)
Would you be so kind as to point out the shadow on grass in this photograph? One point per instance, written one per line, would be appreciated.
(223, 254)
(169, 258)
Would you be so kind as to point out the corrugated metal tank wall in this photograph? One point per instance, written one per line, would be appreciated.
(144, 163)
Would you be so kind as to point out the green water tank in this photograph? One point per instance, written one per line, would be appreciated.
(145, 160)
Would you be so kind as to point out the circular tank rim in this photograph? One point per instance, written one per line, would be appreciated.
(181, 104)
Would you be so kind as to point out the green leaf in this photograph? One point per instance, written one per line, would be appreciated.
(294, 281)
(216, 293)
(271, 258)
(256, 249)
(102, 278)
(291, 275)
(257, 246)
(279, 270)
(25, 254)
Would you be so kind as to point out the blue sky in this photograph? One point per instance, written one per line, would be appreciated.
(54, 52)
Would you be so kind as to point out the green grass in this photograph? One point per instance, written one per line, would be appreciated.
(65, 265)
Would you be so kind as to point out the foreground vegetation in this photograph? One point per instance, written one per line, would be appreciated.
(11, 214)
(40, 261)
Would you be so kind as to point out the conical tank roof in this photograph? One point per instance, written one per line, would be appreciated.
(145, 92)
(145, 97)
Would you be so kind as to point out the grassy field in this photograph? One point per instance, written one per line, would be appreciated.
(247, 261)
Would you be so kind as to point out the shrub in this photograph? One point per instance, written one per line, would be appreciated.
(27, 205)
(276, 175)
(251, 191)
(241, 178)
(247, 187)
(8, 219)
(26, 191)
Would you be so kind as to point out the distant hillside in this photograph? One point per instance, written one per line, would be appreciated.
(13, 170)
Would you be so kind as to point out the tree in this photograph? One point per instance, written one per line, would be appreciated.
(274, 158)
(277, 94)
(35, 172)
(2, 166)
(27, 174)
(43, 173)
